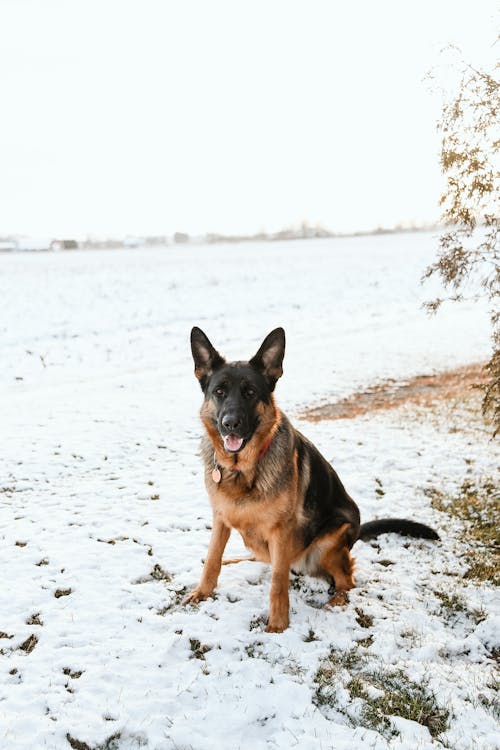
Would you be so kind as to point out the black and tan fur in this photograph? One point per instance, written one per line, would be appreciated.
(277, 490)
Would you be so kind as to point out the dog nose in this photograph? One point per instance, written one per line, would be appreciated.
(231, 422)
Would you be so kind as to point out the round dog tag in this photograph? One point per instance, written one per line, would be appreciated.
(216, 475)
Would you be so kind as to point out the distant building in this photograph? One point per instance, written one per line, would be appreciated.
(130, 241)
(181, 237)
(33, 243)
(7, 245)
(153, 240)
(64, 245)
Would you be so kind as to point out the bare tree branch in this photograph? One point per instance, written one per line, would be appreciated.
(468, 251)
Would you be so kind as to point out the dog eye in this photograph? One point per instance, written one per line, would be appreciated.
(219, 391)
(250, 392)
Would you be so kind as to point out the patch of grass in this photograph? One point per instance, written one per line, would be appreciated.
(411, 638)
(254, 650)
(363, 620)
(489, 698)
(75, 675)
(484, 568)
(394, 694)
(34, 619)
(258, 622)
(296, 582)
(160, 574)
(62, 592)
(311, 636)
(77, 744)
(330, 671)
(477, 504)
(179, 595)
(451, 603)
(157, 574)
(455, 603)
(365, 642)
(198, 649)
(110, 744)
(29, 644)
(357, 688)
(477, 615)
(495, 655)
(401, 697)
(293, 668)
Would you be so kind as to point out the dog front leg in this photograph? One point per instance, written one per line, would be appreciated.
(212, 566)
(279, 551)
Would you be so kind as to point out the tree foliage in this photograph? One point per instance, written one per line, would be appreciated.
(468, 259)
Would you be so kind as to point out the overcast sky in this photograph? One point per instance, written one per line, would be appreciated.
(151, 116)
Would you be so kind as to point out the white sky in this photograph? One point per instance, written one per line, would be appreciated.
(151, 116)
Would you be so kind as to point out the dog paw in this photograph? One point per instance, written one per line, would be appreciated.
(196, 595)
(277, 627)
(339, 599)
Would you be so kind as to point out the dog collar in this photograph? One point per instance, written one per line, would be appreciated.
(265, 448)
(217, 470)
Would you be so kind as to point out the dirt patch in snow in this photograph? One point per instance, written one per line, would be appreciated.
(389, 394)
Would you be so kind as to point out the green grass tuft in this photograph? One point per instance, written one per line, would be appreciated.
(410, 700)
(395, 694)
(198, 649)
(477, 504)
(160, 574)
(363, 620)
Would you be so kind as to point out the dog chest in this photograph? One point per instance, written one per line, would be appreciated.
(247, 518)
(238, 512)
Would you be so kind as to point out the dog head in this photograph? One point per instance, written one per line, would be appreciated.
(237, 393)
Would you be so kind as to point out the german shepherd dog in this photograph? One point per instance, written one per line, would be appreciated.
(270, 483)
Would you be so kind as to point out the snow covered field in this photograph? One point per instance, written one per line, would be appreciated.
(104, 519)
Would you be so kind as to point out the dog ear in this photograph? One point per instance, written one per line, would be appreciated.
(269, 358)
(206, 358)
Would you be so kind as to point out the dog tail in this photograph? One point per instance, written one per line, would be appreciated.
(398, 526)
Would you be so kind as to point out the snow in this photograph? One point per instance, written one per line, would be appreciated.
(100, 482)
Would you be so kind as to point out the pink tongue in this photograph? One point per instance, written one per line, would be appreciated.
(233, 442)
